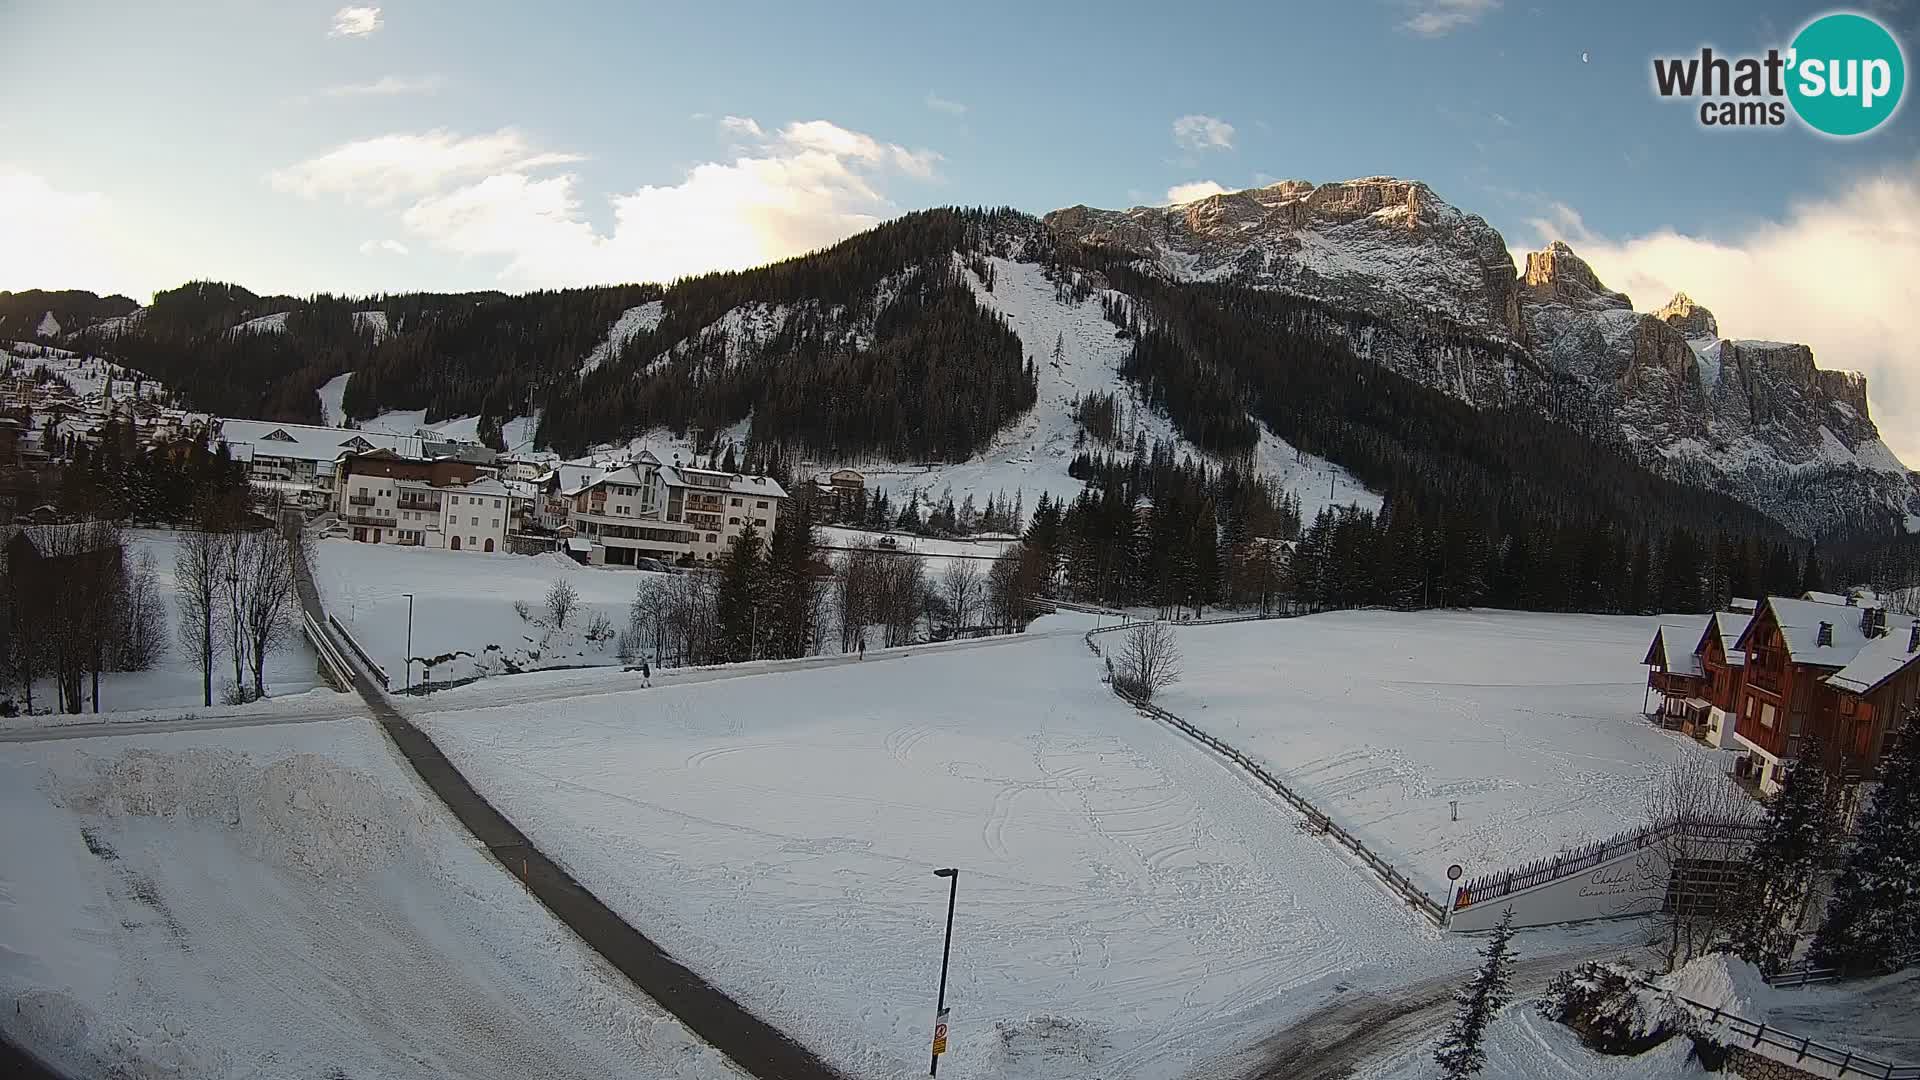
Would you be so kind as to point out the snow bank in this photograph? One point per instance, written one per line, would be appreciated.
(285, 902)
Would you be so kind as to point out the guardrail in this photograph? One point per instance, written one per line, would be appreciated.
(1755, 1035)
(329, 653)
(1318, 819)
(1803, 974)
(359, 651)
(1578, 860)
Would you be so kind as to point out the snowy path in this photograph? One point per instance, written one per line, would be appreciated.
(1126, 904)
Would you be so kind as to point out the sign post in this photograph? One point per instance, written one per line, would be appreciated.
(940, 1007)
(1453, 888)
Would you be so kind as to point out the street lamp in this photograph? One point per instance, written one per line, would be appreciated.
(940, 1008)
(409, 656)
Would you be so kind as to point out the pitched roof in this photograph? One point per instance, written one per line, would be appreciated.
(764, 487)
(306, 442)
(1730, 625)
(1673, 646)
(1877, 661)
(1799, 622)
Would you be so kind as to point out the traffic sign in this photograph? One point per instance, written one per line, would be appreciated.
(1454, 872)
(940, 1033)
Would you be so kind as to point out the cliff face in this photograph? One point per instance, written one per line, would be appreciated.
(1756, 419)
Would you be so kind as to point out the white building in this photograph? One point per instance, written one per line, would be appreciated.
(297, 460)
(386, 499)
(674, 513)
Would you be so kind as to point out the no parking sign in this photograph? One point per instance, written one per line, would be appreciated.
(940, 1033)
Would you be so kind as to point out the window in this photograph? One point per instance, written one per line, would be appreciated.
(471, 540)
(496, 504)
(712, 539)
(1766, 716)
(762, 522)
(736, 502)
(733, 521)
(473, 521)
(363, 491)
(496, 523)
(454, 499)
(761, 505)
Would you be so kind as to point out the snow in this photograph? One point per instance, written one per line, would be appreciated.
(375, 321)
(275, 323)
(1126, 904)
(1030, 455)
(1531, 721)
(1707, 352)
(516, 432)
(288, 902)
(332, 393)
(1523, 1045)
(49, 326)
(631, 324)
(174, 684)
(463, 607)
(87, 375)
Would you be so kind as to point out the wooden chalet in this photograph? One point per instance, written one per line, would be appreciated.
(1698, 671)
(1841, 672)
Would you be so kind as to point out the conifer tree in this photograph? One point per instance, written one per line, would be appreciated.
(1787, 861)
(1461, 1053)
(1873, 921)
(740, 574)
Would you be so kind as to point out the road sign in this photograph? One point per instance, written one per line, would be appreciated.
(1454, 872)
(940, 1033)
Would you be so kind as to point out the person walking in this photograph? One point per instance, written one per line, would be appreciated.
(863, 646)
(646, 674)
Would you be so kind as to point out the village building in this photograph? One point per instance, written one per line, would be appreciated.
(385, 498)
(294, 463)
(673, 513)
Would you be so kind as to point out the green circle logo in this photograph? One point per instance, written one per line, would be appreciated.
(1847, 74)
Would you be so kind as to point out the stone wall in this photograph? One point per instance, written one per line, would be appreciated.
(1744, 1063)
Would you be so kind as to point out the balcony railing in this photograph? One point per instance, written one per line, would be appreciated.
(369, 519)
(418, 504)
(1763, 679)
(360, 500)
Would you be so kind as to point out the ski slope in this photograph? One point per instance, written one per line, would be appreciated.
(286, 902)
(1530, 721)
(1031, 454)
(1127, 906)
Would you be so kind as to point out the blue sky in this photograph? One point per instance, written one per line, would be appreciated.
(294, 146)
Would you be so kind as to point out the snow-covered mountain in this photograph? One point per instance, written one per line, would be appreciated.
(1757, 420)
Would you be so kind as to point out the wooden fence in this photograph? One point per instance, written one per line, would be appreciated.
(1791, 1049)
(1501, 883)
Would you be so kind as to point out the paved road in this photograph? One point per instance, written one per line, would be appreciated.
(754, 1045)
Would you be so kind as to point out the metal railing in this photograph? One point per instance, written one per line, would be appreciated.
(329, 654)
(1798, 1050)
(366, 658)
(1804, 974)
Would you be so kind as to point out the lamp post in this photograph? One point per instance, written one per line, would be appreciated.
(940, 1008)
(409, 656)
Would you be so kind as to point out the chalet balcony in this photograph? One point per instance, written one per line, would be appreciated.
(1675, 684)
(1762, 679)
(429, 505)
(369, 519)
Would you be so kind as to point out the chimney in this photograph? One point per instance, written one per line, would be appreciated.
(1826, 634)
(1913, 639)
(1873, 622)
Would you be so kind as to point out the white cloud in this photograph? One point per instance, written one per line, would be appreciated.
(388, 85)
(1193, 189)
(388, 246)
(1196, 132)
(1437, 18)
(355, 22)
(1836, 273)
(940, 104)
(793, 190)
(380, 170)
(58, 239)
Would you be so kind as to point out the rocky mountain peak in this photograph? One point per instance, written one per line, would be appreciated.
(1693, 321)
(1558, 276)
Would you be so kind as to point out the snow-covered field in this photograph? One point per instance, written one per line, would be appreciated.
(174, 683)
(286, 902)
(1127, 906)
(463, 615)
(1531, 722)
(88, 376)
(517, 432)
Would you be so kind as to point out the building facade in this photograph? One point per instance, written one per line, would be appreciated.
(441, 503)
(673, 513)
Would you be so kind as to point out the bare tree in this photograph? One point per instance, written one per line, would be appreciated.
(903, 591)
(562, 601)
(860, 572)
(143, 617)
(1693, 809)
(199, 574)
(963, 584)
(69, 600)
(674, 618)
(1149, 661)
(263, 568)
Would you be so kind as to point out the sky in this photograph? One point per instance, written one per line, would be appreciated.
(298, 147)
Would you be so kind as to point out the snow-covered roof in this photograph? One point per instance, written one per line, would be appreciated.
(1878, 660)
(1730, 625)
(571, 478)
(1800, 622)
(1823, 597)
(307, 442)
(485, 486)
(1673, 646)
(579, 543)
(764, 487)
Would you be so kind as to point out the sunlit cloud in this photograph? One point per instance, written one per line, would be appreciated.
(388, 246)
(355, 22)
(1836, 273)
(58, 239)
(1194, 189)
(1197, 132)
(1438, 18)
(388, 86)
(940, 104)
(788, 191)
